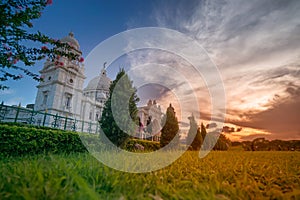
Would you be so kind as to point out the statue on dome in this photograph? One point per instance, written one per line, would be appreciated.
(103, 70)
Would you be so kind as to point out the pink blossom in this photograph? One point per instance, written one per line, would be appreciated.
(15, 61)
(9, 54)
(49, 2)
(81, 59)
(44, 48)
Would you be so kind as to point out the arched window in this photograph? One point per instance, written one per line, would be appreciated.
(45, 97)
(91, 115)
(68, 100)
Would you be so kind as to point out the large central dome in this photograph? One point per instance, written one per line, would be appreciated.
(98, 83)
(98, 87)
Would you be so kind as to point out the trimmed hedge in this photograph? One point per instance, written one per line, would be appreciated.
(21, 140)
(148, 145)
(27, 125)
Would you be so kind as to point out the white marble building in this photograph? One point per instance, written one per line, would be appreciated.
(151, 113)
(62, 91)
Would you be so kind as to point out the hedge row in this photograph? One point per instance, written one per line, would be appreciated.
(21, 139)
(27, 125)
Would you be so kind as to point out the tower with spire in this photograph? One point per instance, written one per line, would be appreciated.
(60, 92)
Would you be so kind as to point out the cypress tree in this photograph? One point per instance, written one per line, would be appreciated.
(108, 122)
(203, 131)
(194, 138)
(170, 129)
(209, 139)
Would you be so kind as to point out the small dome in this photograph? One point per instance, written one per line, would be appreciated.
(71, 40)
(101, 82)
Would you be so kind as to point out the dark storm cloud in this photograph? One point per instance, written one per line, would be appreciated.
(227, 129)
(282, 120)
(276, 75)
(239, 129)
(208, 117)
(211, 125)
(254, 136)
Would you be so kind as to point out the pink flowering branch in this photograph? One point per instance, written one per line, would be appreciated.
(16, 17)
(49, 2)
(81, 59)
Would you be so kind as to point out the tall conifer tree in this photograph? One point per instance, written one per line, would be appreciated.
(170, 129)
(116, 134)
(194, 138)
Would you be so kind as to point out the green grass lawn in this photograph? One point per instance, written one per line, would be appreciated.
(220, 175)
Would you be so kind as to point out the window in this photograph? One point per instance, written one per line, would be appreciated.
(91, 115)
(45, 97)
(97, 117)
(68, 100)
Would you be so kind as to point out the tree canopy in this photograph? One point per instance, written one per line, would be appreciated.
(194, 138)
(170, 129)
(118, 102)
(20, 49)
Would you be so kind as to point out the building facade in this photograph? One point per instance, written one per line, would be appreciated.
(62, 93)
(150, 117)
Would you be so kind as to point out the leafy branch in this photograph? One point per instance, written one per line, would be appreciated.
(16, 57)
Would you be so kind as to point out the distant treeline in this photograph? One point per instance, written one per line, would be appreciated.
(261, 144)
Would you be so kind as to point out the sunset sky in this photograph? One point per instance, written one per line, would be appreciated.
(255, 45)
